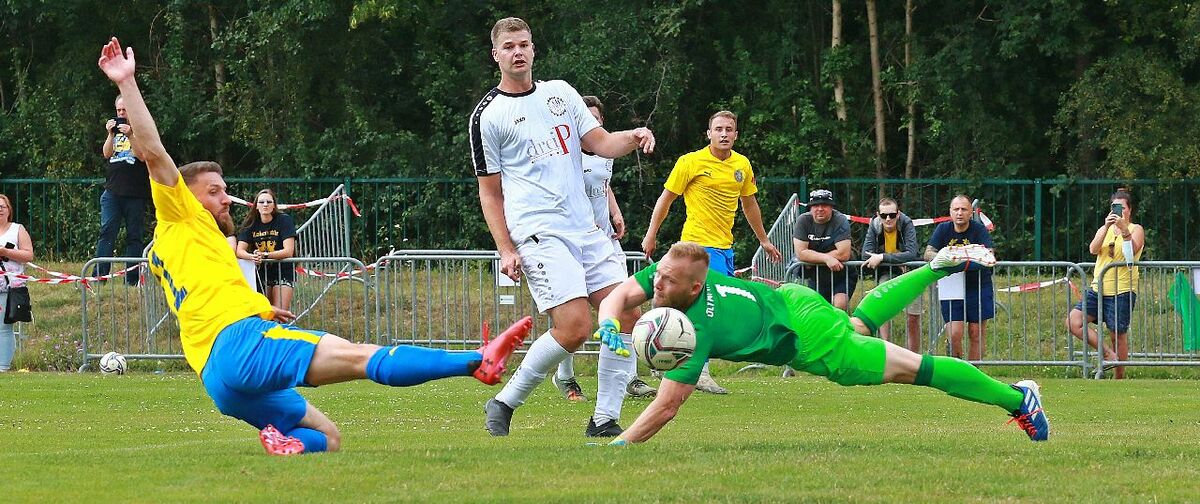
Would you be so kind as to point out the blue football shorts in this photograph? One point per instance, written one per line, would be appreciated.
(253, 367)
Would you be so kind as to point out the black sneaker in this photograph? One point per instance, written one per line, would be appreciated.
(499, 416)
(606, 429)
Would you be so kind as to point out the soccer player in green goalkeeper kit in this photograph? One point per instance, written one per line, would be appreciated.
(739, 320)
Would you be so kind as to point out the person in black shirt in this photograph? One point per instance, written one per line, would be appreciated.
(126, 193)
(268, 234)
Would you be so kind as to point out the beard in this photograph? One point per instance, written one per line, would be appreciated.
(225, 224)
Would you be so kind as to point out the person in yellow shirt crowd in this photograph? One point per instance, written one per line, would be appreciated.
(1118, 240)
(712, 181)
(247, 357)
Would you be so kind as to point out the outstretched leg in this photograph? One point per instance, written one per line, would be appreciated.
(888, 299)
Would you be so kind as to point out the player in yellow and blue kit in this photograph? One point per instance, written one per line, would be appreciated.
(248, 359)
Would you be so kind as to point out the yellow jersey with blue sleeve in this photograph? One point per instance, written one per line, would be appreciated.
(711, 188)
(198, 272)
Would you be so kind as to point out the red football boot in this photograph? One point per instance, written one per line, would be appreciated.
(278, 444)
(497, 351)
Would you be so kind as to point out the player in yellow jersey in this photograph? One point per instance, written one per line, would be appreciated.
(248, 359)
(712, 181)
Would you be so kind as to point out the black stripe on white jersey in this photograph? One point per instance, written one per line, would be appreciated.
(477, 158)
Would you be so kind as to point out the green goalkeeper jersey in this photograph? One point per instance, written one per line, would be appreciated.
(736, 320)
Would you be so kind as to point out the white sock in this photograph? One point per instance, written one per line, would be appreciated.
(566, 368)
(613, 373)
(704, 370)
(543, 355)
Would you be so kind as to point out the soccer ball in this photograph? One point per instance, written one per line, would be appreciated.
(112, 363)
(664, 338)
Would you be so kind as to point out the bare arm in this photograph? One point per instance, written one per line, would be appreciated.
(1098, 239)
(671, 395)
(289, 250)
(1138, 235)
(107, 149)
(627, 295)
(615, 145)
(491, 199)
(614, 213)
(120, 68)
(805, 254)
(754, 218)
(656, 219)
(842, 250)
(242, 251)
(24, 251)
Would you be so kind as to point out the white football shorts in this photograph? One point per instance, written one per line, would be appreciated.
(562, 267)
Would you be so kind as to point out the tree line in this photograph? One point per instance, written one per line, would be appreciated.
(1049, 89)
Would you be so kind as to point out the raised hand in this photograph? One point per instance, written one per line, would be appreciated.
(116, 65)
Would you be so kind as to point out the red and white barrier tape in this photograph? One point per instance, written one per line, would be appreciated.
(341, 274)
(63, 278)
(1032, 286)
(306, 204)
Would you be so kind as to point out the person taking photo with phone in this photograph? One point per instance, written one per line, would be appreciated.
(1117, 240)
(126, 193)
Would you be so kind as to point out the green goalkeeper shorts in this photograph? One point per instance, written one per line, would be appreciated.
(826, 341)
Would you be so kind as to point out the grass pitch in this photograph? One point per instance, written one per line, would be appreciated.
(157, 438)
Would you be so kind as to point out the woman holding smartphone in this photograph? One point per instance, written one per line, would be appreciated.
(1118, 240)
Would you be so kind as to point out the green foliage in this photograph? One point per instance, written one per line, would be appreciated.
(382, 88)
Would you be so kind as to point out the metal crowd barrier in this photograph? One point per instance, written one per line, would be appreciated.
(443, 298)
(1031, 302)
(1155, 332)
(134, 320)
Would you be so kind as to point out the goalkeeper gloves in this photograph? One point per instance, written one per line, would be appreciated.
(609, 334)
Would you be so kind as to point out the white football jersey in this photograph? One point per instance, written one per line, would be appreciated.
(597, 171)
(532, 140)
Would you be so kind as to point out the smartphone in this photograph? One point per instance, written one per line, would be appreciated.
(1118, 209)
(120, 121)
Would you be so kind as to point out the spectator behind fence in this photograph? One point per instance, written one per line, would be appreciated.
(891, 240)
(977, 305)
(1118, 240)
(712, 181)
(268, 234)
(126, 193)
(16, 249)
(822, 239)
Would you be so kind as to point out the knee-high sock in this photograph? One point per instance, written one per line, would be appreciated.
(404, 365)
(566, 369)
(889, 298)
(544, 354)
(314, 441)
(964, 381)
(613, 373)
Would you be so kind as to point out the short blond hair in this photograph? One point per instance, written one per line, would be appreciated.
(723, 113)
(509, 25)
(690, 251)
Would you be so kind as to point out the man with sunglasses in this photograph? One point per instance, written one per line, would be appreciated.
(891, 240)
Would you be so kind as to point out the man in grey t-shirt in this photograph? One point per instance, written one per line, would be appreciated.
(822, 239)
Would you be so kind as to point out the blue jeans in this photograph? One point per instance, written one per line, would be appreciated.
(8, 341)
(115, 211)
